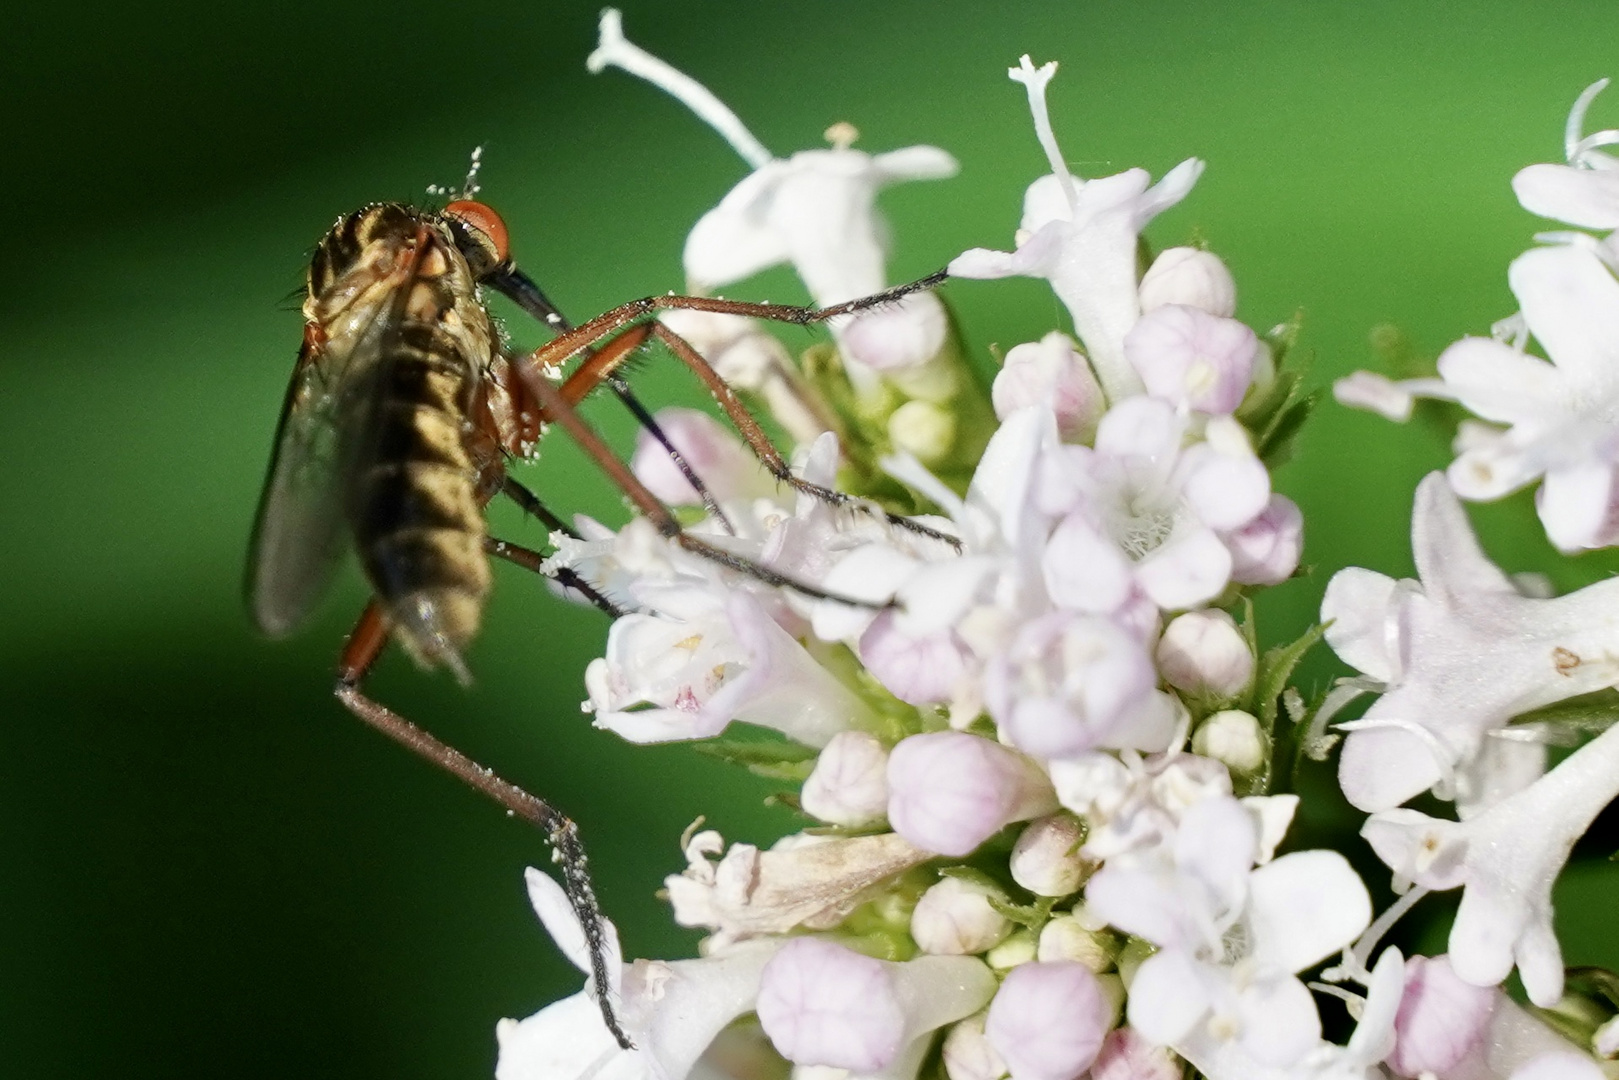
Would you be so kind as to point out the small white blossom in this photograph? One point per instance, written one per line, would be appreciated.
(1506, 859)
(1143, 511)
(1192, 359)
(1460, 653)
(704, 659)
(815, 210)
(671, 1010)
(1081, 236)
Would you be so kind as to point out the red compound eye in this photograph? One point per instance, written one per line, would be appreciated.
(476, 215)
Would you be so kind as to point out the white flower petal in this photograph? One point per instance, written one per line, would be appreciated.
(1305, 906)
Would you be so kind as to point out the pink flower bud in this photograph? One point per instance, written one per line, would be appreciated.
(1127, 1056)
(955, 918)
(917, 670)
(905, 334)
(1203, 653)
(1183, 275)
(1441, 1019)
(718, 458)
(1048, 1020)
(949, 791)
(1266, 550)
(849, 785)
(1193, 359)
(1045, 859)
(824, 1004)
(1051, 372)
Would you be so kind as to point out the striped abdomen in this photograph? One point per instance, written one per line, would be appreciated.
(412, 497)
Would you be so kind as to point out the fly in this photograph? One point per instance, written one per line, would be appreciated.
(400, 418)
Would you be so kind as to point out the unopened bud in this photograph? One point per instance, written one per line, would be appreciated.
(1020, 948)
(1266, 550)
(968, 1054)
(1066, 937)
(1048, 1020)
(849, 785)
(1184, 275)
(955, 918)
(1204, 653)
(1045, 859)
(924, 429)
(1052, 372)
(1233, 738)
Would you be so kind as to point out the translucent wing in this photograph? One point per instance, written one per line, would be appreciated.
(300, 535)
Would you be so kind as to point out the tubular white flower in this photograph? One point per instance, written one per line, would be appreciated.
(849, 784)
(706, 659)
(1461, 653)
(816, 210)
(1050, 372)
(671, 1009)
(1192, 359)
(1203, 652)
(1080, 235)
(1190, 276)
(955, 918)
(1506, 859)
(950, 791)
(823, 1004)
(1048, 1020)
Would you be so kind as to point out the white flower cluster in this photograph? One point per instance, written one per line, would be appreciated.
(1554, 420)
(1038, 758)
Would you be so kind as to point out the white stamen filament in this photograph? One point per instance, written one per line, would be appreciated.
(1035, 79)
(1577, 147)
(615, 50)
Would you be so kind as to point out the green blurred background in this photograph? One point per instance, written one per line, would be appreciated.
(207, 867)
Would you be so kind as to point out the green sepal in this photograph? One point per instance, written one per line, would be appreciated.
(1588, 714)
(1030, 916)
(1275, 668)
(773, 759)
